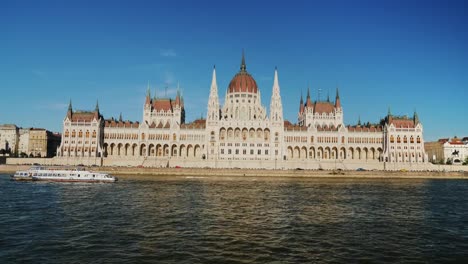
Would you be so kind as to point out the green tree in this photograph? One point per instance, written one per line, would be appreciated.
(465, 162)
(449, 161)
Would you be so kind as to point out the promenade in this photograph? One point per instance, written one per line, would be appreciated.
(129, 172)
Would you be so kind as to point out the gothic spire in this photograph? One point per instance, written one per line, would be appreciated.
(148, 95)
(96, 109)
(213, 112)
(243, 67)
(276, 82)
(120, 117)
(337, 99)
(309, 100)
(276, 107)
(214, 85)
(416, 117)
(177, 100)
(70, 106)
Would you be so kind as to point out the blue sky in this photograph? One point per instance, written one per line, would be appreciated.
(406, 55)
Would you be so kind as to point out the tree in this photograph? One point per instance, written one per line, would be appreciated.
(449, 161)
(465, 162)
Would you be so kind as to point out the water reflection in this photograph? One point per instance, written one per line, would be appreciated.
(190, 220)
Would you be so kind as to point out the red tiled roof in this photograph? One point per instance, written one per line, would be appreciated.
(327, 128)
(402, 123)
(364, 129)
(83, 116)
(292, 127)
(113, 123)
(242, 82)
(443, 140)
(162, 104)
(197, 124)
(324, 107)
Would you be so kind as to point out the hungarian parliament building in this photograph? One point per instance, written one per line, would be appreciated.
(241, 134)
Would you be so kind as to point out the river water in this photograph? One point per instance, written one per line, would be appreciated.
(234, 220)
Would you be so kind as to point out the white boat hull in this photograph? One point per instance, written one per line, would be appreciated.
(42, 174)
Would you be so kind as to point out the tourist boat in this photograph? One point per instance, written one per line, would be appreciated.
(39, 173)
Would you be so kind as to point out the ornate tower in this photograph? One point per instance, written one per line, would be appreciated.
(213, 102)
(276, 107)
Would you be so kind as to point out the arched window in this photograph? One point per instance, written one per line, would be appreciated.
(80, 134)
(87, 133)
(67, 133)
(405, 139)
(398, 140)
(174, 137)
(418, 139)
(142, 136)
(392, 139)
(73, 133)
(411, 139)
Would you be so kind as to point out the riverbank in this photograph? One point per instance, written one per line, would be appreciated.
(205, 172)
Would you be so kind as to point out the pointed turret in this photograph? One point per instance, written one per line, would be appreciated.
(120, 117)
(148, 95)
(213, 100)
(276, 107)
(301, 105)
(243, 67)
(96, 109)
(177, 100)
(359, 121)
(308, 100)
(337, 99)
(328, 96)
(214, 85)
(415, 118)
(70, 110)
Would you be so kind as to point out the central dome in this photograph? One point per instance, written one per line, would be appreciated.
(243, 82)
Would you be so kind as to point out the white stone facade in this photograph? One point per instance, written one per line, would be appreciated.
(23, 141)
(9, 139)
(455, 151)
(242, 134)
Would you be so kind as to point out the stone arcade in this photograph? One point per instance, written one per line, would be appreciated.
(241, 134)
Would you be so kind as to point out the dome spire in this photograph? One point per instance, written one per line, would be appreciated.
(243, 67)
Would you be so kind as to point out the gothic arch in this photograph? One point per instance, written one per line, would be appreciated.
(312, 153)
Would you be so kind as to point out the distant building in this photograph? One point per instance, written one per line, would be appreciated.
(447, 150)
(435, 150)
(241, 133)
(23, 142)
(9, 138)
(43, 143)
(455, 151)
(32, 142)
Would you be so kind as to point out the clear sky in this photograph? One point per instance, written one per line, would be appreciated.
(406, 55)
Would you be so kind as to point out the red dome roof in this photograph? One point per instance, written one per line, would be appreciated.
(243, 82)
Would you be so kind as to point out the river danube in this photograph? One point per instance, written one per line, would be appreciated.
(234, 220)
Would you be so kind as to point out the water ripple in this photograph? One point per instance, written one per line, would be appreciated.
(230, 220)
